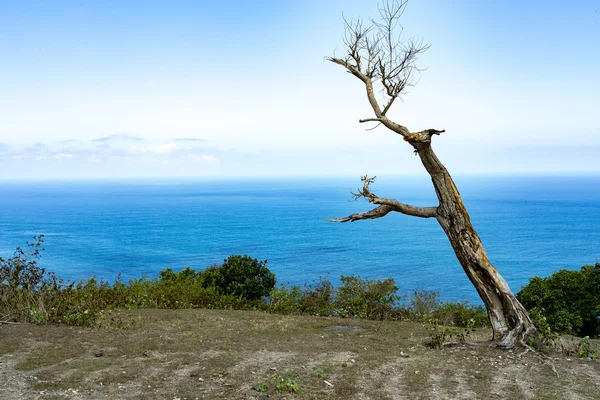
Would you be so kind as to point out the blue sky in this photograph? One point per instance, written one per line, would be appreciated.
(110, 89)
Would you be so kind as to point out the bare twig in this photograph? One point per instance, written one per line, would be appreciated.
(373, 128)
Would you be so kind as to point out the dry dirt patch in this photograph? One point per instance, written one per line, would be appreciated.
(207, 354)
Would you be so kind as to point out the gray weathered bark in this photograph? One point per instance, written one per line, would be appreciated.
(510, 322)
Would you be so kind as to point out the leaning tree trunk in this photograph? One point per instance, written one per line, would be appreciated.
(375, 54)
(510, 321)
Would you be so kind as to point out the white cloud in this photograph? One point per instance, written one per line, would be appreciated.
(112, 148)
(166, 148)
(119, 137)
(208, 158)
(61, 156)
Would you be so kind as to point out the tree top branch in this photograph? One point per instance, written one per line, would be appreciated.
(378, 55)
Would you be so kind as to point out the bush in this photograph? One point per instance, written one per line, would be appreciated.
(425, 306)
(284, 300)
(569, 300)
(365, 298)
(22, 283)
(315, 299)
(28, 293)
(318, 298)
(240, 276)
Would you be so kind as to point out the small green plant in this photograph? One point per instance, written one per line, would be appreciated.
(320, 373)
(287, 385)
(440, 333)
(194, 335)
(262, 386)
(546, 337)
(585, 349)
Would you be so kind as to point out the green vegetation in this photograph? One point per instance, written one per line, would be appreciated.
(28, 293)
(287, 385)
(240, 276)
(566, 302)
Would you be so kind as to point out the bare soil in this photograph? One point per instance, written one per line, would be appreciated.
(207, 354)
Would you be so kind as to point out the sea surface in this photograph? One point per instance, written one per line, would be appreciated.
(530, 225)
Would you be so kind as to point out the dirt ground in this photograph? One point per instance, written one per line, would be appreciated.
(207, 354)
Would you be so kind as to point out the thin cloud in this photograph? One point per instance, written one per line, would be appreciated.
(61, 156)
(119, 136)
(119, 147)
(190, 140)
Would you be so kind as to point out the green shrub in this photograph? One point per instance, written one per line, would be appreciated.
(240, 276)
(365, 298)
(425, 306)
(318, 298)
(463, 315)
(81, 304)
(29, 293)
(284, 300)
(314, 299)
(569, 300)
(22, 283)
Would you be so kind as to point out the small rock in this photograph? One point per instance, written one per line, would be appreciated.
(403, 354)
(98, 353)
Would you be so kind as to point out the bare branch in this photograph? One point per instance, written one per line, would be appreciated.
(365, 191)
(378, 212)
(354, 70)
(373, 128)
(378, 55)
(407, 209)
(385, 205)
(369, 120)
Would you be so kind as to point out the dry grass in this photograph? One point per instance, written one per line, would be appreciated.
(206, 354)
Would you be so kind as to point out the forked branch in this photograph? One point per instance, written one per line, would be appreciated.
(385, 206)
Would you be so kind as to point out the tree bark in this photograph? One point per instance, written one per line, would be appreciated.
(510, 321)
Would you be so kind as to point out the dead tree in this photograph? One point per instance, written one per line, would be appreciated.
(383, 61)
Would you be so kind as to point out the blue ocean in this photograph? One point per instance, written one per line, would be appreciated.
(530, 225)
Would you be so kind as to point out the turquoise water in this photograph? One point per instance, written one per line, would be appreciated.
(529, 226)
